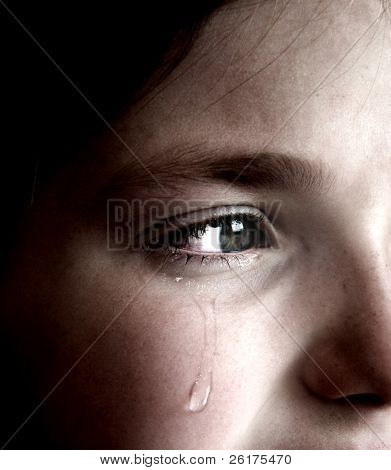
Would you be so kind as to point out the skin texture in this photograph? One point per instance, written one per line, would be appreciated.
(297, 327)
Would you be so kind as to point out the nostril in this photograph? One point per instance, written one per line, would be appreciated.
(363, 399)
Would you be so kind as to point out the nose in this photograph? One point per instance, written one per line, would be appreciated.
(351, 357)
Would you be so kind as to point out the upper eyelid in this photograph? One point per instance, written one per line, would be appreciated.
(205, 215)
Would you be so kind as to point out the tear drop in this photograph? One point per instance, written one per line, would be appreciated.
(199, 392)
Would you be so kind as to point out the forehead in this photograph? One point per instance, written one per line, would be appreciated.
(307, 77)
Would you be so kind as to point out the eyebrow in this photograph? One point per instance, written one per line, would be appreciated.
(263, 170)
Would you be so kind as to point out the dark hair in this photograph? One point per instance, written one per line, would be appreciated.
(108, 49)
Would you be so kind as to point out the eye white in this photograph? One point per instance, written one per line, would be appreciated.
(208, 242)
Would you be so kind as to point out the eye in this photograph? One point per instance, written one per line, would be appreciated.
(226, 234)
(222, 230)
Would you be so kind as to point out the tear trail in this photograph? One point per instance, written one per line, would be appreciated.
(202, 386)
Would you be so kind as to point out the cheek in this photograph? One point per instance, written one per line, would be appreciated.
(136, 380)
(157, 349)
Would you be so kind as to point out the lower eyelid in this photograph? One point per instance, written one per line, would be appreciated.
(218, 260)
(178, 264)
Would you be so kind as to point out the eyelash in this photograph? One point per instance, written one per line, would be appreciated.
(223, 259)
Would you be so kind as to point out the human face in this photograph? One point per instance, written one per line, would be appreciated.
(296, 94)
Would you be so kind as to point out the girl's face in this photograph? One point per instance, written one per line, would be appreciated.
(271, 144)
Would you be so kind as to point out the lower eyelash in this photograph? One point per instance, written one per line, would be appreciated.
(176, 256)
